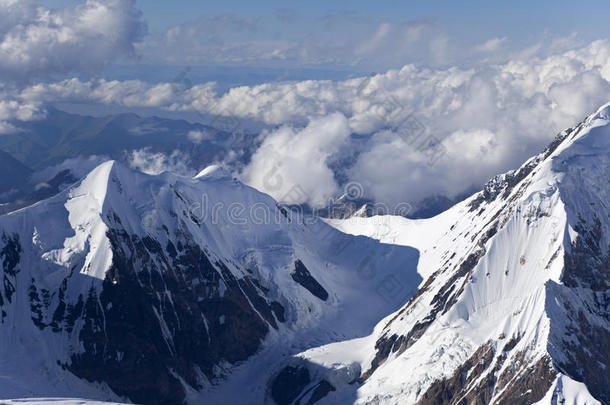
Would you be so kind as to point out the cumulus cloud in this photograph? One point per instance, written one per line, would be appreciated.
(150, 162)
(395, 171)
(22, 111)
(291, 164)
(37, 42)
(488, 119)
(7, 128)
(13, 109)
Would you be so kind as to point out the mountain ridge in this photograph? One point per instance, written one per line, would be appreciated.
(154, 287)
(534, 245)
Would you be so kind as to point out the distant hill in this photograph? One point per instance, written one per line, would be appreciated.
(63, 135)
(13, 173)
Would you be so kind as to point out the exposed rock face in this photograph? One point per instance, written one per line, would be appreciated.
(9, 255)
(477, 380)
(163, 314)
(289, 383)
(583, 336)
(302, 276)
(296, 384)
(444, 298)
(152, 323)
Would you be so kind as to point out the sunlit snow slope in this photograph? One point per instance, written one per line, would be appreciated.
(515, 306)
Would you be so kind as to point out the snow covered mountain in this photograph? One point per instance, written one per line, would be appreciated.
(156, 289)
(515, 306)
(165, 289)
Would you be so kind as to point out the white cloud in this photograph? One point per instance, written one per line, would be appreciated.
(150, 162)
(37, 42)
(489, 118)
(22, 111)
(223, 39)
(12, 109)
(196, 136)
(338, 41)
(7, 128)
(291, 163)
(491, 45)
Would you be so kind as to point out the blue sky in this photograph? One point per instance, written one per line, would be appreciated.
(489, 18)
(270, 40)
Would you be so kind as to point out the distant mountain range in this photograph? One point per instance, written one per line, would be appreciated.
(61, 136)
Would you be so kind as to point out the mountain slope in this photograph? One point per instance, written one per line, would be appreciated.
(159, 288)
(515, 307)
(14, 173)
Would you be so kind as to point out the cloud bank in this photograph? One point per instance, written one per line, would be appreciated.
(488, 120)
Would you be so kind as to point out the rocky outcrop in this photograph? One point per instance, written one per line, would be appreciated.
(490, 376)
(302, 276)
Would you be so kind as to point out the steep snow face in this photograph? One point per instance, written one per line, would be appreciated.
(152, 288)
(515, 305)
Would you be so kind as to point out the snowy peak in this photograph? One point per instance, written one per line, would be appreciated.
(95, 183)
(590, 139)
(157, 287)
(537, 233)
(516, 287)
